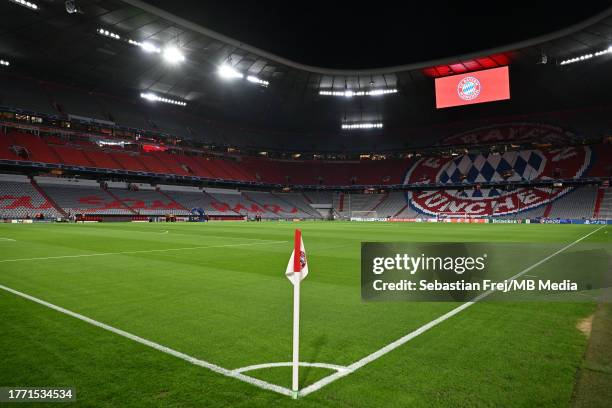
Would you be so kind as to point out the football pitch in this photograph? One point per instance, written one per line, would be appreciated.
(185, 314)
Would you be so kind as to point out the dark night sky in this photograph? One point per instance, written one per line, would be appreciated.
(337, 34)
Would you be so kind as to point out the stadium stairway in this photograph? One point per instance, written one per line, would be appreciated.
(172, 200)
(213, 199)
(264, 207)
(598, 200)
(46, 197)
(547, 210)
(605, 207)
(382, 199)
(400, 211)
(302, 206)
(341, 203)
(306, 198)
(130, 209)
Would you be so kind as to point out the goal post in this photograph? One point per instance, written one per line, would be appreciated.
(364, 214)
(442, 215)
(459, 216)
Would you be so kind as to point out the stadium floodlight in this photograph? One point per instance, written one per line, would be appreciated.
(586, 57)
(255, 80)
(156, 98)
(173, 55)
(109, 34)
(4, 63)
(150, 47)
(27, 4)
(362, 125)
(146, 46)
(228, 72)
(350, 93)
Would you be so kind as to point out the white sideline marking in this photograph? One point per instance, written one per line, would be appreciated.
(213, 367)
(289, 364)
(7, 239)
(403, 340)
(144, 251)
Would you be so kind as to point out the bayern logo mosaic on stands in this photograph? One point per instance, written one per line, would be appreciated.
(474, 169)
(468, 88)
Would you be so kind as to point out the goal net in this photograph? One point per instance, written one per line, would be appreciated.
(364, 214)
(458, 216)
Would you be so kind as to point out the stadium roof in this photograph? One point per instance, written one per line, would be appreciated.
(82, 49)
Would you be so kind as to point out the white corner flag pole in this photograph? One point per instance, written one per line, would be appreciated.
(297, 269)
(296, 337)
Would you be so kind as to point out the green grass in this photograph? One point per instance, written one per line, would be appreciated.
(231, 305)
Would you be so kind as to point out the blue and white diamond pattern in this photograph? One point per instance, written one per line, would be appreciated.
(479, 193)
(526, 165)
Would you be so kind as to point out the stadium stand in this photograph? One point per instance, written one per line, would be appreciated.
(20, 199)
(361, 202)
(319, 197)
(298, 201)
(102, 159)
(408, 212)
(129, 162)
(526, 165)
(605, 208)
(193, 198)
(69, 155)
(327, 173)
(392, 205)
(37, 149)
(81, 196)
(146, 200)
(234, 200)
(6, 147)
(274, 204)
(576, 204)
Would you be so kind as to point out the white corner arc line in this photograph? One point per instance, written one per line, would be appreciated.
(144, 251)
(213, 367)
(254, 367)
(403, 340)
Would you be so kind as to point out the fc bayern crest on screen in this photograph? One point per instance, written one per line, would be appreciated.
(468, 88)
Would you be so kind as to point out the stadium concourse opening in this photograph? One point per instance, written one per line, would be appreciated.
(117, 116)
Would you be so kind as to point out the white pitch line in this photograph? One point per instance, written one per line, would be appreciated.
(144, 251)
(289, 364)
(403, 340)
(273, 387)
(213, 367)
(6, 239)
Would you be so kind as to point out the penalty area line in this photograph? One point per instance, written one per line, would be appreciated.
(201, 363)
(403, 340)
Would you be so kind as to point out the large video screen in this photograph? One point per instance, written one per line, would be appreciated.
(474, 87)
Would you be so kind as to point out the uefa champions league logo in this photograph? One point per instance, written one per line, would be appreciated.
(468, 88)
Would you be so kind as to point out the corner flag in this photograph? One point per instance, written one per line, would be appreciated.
(297, 269)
